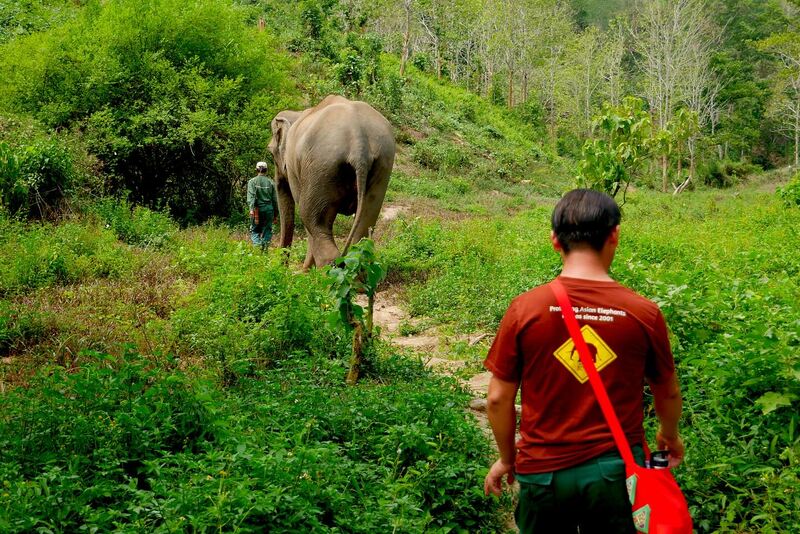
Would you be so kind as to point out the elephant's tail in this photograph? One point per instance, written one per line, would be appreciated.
(362, 170)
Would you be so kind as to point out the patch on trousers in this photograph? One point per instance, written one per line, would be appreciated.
(602, 354)
(630, 484)
(641, 519)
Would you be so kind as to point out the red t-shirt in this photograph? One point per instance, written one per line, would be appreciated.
(562, 424)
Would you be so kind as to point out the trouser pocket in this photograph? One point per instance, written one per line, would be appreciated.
(536, 508)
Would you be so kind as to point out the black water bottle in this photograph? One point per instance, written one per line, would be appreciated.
(659, 460)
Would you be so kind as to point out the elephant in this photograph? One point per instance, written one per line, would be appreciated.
(335, 157)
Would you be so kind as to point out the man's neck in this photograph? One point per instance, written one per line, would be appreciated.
(586, 264)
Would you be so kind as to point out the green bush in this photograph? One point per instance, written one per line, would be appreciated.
(436, 154)
(135, 225)
(124, 445)
(23, 17)
(726, 173)
(790, 193)
(252, 314)
(33, 178)
(36, 256)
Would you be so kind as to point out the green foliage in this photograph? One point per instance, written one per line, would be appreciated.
(122, 444)
(34, 177)
(608, 163)
(726, 173)
(135, 225)
(251, 315)
(359, 62)
(249, 424)
(437, 154)
(165, 103)
(356, 272)
(790, 193)
(46, 255)
(20, 17)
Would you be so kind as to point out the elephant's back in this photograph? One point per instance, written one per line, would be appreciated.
(343, 123)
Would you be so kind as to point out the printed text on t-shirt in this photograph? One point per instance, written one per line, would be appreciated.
(588, 313)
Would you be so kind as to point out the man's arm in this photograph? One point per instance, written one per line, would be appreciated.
(503, 419)
(251, 195)
(668, 403)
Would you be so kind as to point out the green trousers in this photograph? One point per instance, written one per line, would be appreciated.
(590, 496)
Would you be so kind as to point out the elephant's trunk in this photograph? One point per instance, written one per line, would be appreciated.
(286, 209)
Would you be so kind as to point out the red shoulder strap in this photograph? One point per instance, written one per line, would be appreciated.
(591, 371)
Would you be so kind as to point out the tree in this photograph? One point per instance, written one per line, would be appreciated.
(671, 40)
(583, 76)
(610, 161)
(612, 66)
(785, 105)
(508, 22)
(408, 11)
(357, 272)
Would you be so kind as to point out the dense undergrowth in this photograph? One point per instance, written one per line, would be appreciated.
(725, 270)
(138, 445)
(213, 396)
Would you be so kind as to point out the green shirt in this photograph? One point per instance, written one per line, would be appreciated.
(261, 193)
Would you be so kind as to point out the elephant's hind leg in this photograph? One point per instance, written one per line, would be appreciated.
(322, 249)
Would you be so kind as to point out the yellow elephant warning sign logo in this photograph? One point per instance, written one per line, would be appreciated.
(601, 354)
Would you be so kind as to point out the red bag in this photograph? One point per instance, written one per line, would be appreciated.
(658, 505)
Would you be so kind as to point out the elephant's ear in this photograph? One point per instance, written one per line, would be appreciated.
(280, 131)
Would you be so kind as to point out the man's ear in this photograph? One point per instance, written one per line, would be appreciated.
(613, 237)
(556, 244)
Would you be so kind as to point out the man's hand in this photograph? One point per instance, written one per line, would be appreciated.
(673, 445)
(494, 479)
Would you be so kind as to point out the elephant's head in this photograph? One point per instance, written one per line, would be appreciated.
(277, 146)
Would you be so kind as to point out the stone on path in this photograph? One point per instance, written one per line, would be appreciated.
(417, 342)
(479, 383)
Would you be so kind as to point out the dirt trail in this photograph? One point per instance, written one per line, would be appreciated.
(436, 353)
(434, 349)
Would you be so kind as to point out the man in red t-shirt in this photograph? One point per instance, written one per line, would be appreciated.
(571, 475)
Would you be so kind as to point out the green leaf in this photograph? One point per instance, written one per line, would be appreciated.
(771, 401)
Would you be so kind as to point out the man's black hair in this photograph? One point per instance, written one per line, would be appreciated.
(585, 216)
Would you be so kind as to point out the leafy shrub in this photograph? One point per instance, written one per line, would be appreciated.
(252, 315)
(726, 173)
(607, 163)
(44, 255)
(359, 62)
(421, 61)
(19, 18)
(388, 95)
(122, 445)
(34, 177)
(135, 225)
(436, 154)
(163, 102)
(790, 193)
(86, 438)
